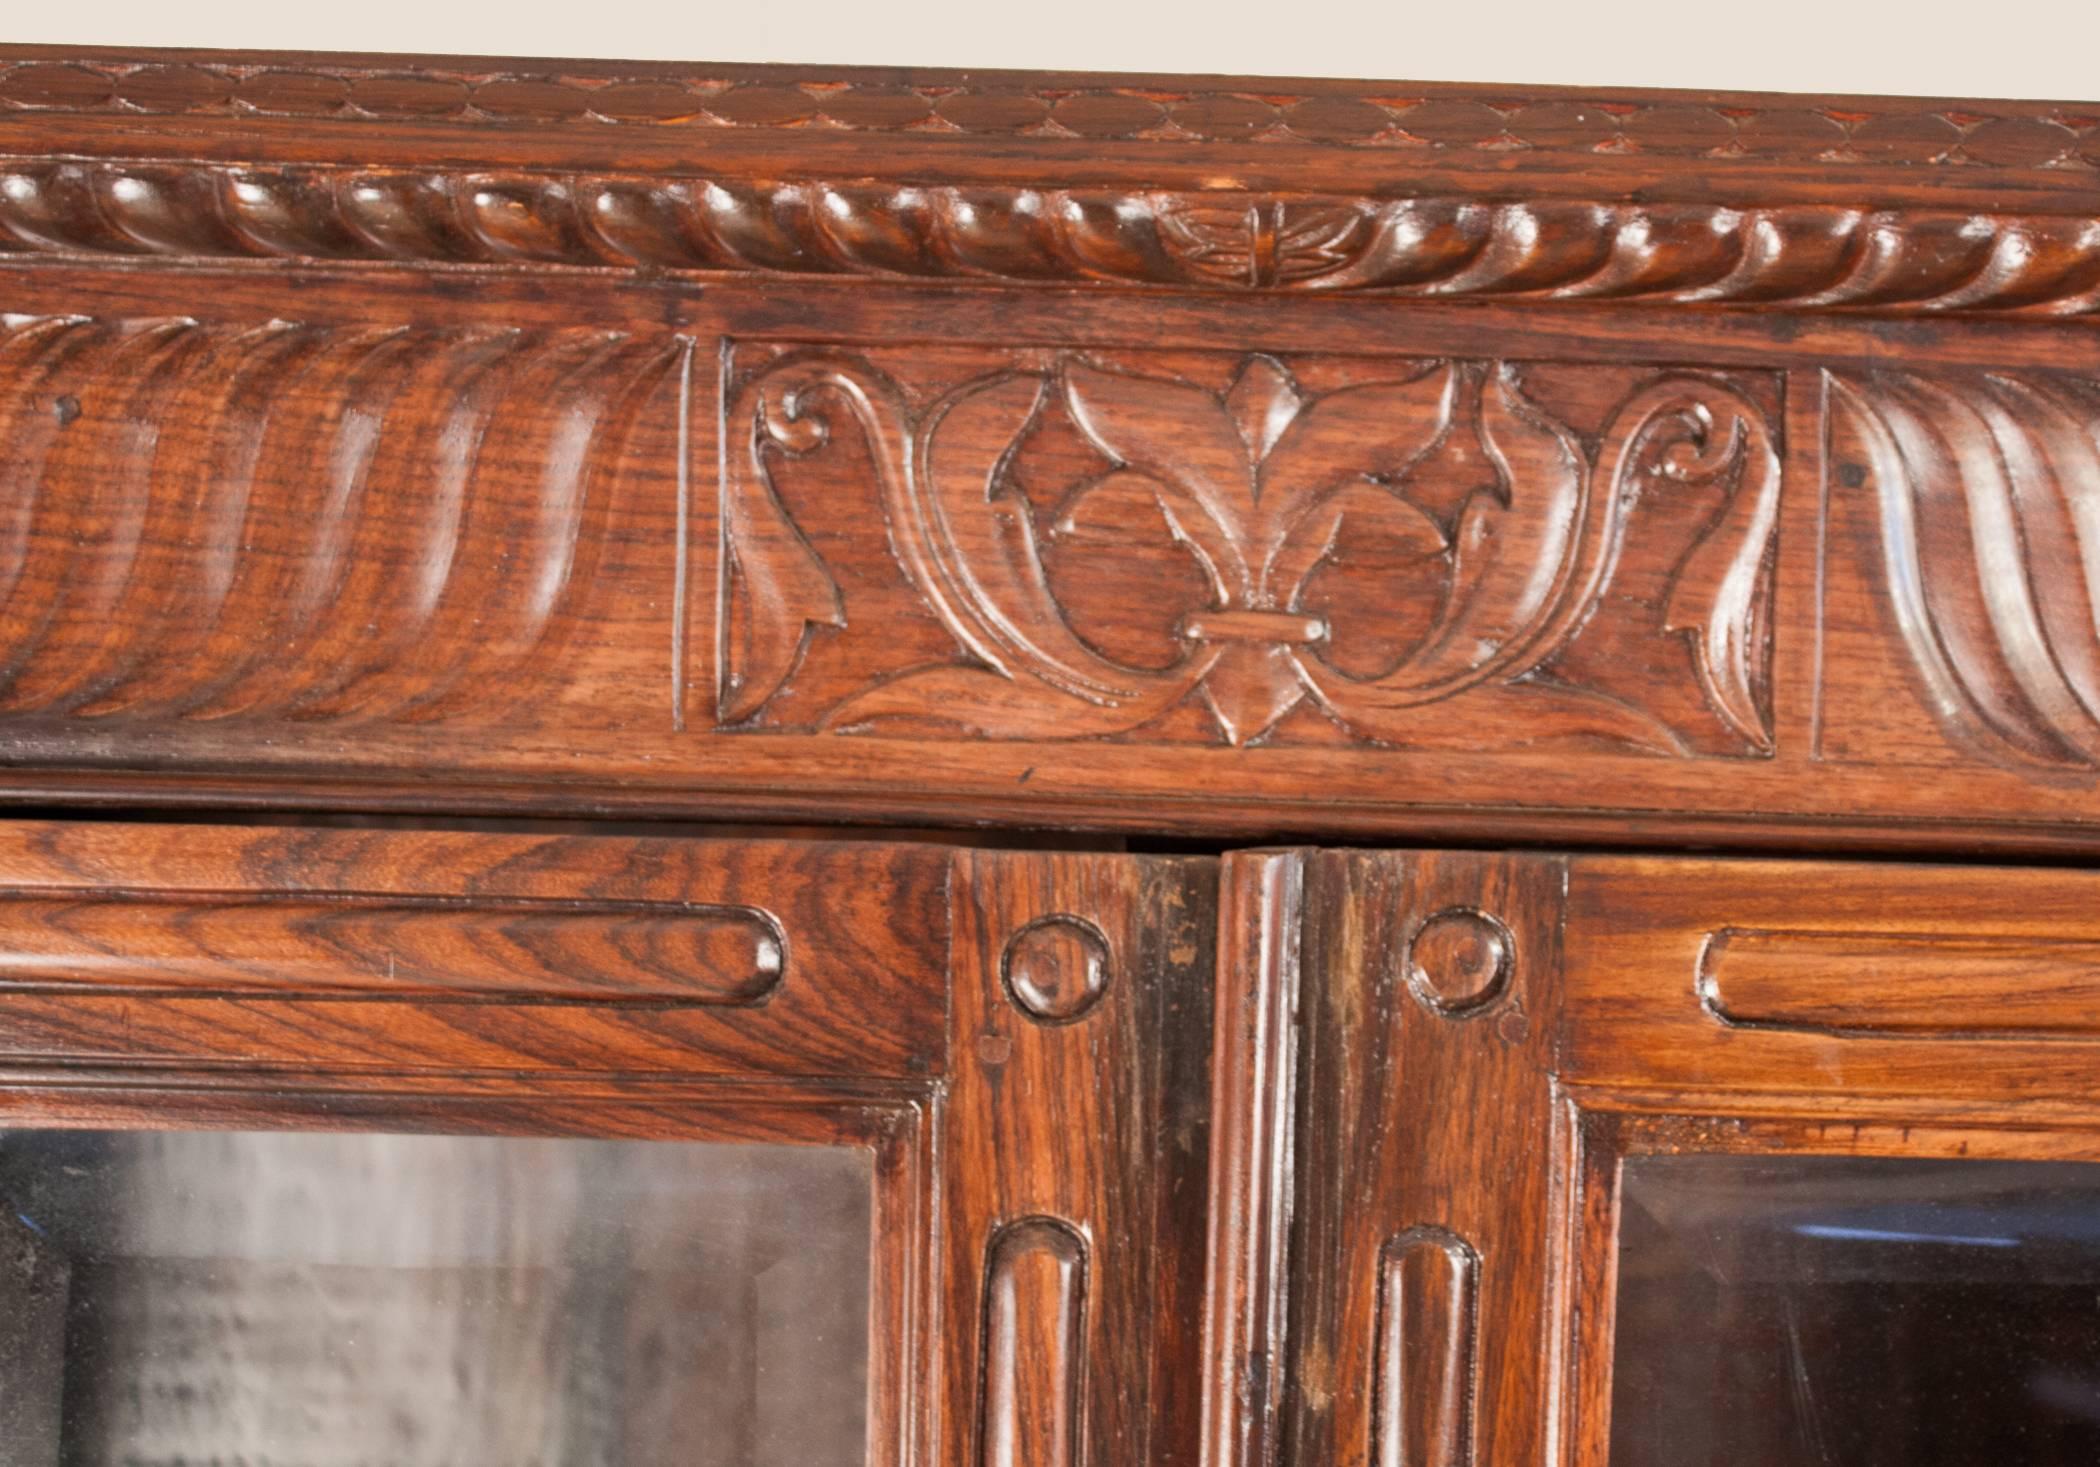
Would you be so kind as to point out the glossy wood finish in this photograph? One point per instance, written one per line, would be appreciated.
(1254, 1060)
(1160, 455)
(1456, 1227)
(1022, 1038)
(1429, 1195)
(1074, 1172)
(399, 949)
(1174, 456)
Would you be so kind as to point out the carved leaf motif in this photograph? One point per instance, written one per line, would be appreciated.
(983, 536)
(1524, 558)
(1494, 527)
(782, 588)
(1114, 531)
(1366, 505)
(1715, 591)
(1346, 437)
(967, 544)
(1185, 439)
(1250, 687)
(1989, 492)
(1212, 242)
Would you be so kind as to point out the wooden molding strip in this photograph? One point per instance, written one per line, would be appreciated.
(1255, 1101)
(238, 947)
(1966, 984)
(1185, 110)
(292, 945)
(1801, 256)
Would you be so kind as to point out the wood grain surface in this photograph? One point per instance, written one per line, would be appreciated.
(454, 950)
(1074, 1174)
(1021, 1039)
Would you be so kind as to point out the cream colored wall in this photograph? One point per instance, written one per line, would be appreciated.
(2005, 48)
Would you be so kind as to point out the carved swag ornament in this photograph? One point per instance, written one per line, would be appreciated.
(1490, 529)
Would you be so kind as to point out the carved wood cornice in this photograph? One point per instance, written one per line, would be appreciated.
(760, 443)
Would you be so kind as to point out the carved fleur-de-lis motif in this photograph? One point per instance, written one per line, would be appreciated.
(1256, 484)
(1497, 531)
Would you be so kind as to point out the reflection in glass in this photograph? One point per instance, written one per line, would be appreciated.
(1840, 1312)
(303, 1300)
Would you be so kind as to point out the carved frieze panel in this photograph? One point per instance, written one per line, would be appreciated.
(1965, 530)
(322, 524)
(1247, 548)
(683, 553)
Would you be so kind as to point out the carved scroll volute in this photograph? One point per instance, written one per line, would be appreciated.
(1695, 431)
(777, 588)
(1988, 489)
(1034, 1346)
(1427, 1351)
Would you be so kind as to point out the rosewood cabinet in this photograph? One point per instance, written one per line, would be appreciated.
(728, 766)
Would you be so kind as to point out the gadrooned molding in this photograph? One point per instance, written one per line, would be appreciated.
(1790, 256)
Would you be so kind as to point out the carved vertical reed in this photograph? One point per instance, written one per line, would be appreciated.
(1254, 1097)
(1034, 1345)
(1072, 1161)
(1426, 1295)
(1427, 1350)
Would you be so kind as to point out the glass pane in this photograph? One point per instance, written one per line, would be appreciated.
(1839, 1312)
(300, 1300)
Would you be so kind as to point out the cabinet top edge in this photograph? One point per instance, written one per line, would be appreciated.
(905, 122)
(970, 78)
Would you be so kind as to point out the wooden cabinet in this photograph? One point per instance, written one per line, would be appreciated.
(1347, 1155)
(722, 765)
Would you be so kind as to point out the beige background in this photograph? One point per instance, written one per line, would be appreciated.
(2003, 48)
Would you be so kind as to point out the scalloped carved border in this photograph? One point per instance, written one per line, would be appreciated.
(1802, 256)
(1396, 116)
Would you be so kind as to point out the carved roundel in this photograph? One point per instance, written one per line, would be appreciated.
(1056, 968)
(1459, 961)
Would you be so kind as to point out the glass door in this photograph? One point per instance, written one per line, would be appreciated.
(343, 1299)
(1856, 1311)
(1678, 1162)
(397, 1147)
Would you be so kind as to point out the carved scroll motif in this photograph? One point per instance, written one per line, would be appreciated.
(1988, 487)
(1498, 528)
(300, 522)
